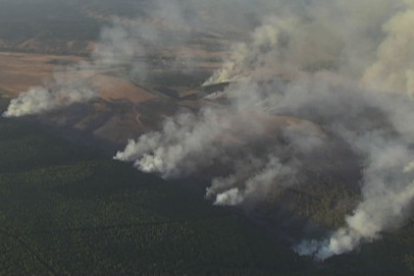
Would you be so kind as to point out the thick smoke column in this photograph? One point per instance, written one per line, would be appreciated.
(388, 193)
(394, 68)
(184, 137)
(245, 57)
(344, 36)
(216, 136)
(335, 55)
(190, 143)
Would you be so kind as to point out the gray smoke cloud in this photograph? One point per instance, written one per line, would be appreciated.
(345, 36)
(122, 46)
(387, 188)
(393, 69)
(63, 90)
(376, 125)
(41, 99)
(346, 66)
(216, 136)
(126, 46)
(304, 35)
(310, 73)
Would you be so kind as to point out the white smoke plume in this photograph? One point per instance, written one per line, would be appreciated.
(216, 136)
(121, 45)
(40, 99)
(383, 138)
(128, 43)
(251, 182)
(243, 57)
(370, 122)
(333, 80)
(394, 68)
(345, 36)
(184, 138)
(311, 73)
(388, 193)
(66, 88)
(124, 47)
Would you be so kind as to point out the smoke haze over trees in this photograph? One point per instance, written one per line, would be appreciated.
(308, 72)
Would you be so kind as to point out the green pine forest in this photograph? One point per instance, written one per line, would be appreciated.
(67, 209)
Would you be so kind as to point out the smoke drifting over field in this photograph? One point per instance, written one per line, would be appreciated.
(121, 44)
(350, 69)
(41, 99)
(58, 93)
(310, 73)
(124, 44)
